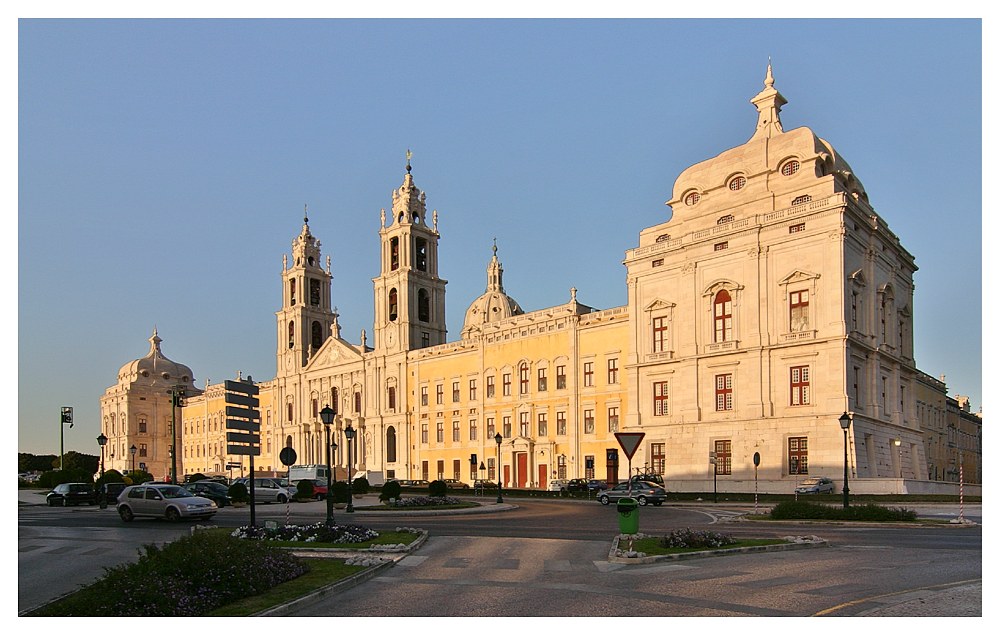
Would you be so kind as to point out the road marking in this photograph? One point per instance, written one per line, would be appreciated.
(875, 598)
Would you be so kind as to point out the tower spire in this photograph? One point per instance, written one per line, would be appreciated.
(768, 102)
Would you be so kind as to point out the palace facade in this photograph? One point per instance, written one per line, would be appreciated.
(773, 301)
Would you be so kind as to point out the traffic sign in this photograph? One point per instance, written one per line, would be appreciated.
(629, 441)
(237, 437)
(242, 413)
(287, 456)
(243, 450)
(239, 424)
(242, 387)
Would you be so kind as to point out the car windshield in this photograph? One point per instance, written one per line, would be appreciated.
(811, 481)
(174, 492)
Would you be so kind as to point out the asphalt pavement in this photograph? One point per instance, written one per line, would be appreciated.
(956, 600)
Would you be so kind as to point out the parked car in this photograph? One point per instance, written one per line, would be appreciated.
(643, 492)
(576, 485)
(815, 485)
(595, 485)
(414, 483)
(649, 477)
(67, 494)
(111, 491)
(266, 490)
(455, 484)
(484, 484)
(211, 490)
(319, 487)
(172, 502)
(556, 485)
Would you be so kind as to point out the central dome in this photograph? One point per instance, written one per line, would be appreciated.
(492, 306)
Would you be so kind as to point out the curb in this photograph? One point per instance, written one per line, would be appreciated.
(805, 542)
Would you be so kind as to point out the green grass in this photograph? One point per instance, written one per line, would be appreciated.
(651, 546)
(322, 571)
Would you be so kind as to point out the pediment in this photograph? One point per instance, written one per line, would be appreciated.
(334, 351)
(659, 305)
(859, 278)
(798, 276)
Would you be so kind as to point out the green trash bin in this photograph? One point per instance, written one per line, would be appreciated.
(628, 516)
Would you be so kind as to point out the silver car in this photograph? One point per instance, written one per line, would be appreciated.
(815, 485)
(642, 491)
(266, 490)
(163, 501)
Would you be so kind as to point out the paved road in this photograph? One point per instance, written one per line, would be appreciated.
(550, 558)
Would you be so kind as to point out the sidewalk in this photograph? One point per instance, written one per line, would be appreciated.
(964, 600)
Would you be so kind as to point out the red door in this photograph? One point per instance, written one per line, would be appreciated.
(522, 469)
(543, 474)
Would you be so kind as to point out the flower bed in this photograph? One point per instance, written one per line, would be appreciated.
(317, 532)
(426, 501)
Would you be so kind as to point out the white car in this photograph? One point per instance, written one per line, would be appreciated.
(266, 490)
(163, 501)
(558, 485)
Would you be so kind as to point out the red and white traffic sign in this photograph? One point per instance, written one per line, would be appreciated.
(629, 441)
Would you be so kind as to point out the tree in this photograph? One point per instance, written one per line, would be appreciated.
(27, 462)
(74, 460)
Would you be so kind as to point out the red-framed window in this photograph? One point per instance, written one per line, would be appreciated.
(456, 392)
(491, 388)
(722, 311)
(799, 385)
(561, 423)
(588, 373)
(439, 395)
(724, 392)
(724, 457)
(613, 370)
(798, 455)
(506, 384)
(798, 311)
(523, 378)
(506, 427)
(560, 377)
(613, 419)
(525, 424)
(423, 395)
(661, 404)
(790, 168)
(543, 381)
(658, 457)
(472, 390)
(659, 334)
(491, 428)
(588, 421)
(543, 424)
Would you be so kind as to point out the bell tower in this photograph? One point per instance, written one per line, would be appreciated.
(305, 318)
(409, 295)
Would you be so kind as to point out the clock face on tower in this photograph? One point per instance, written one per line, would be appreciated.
(390, 337)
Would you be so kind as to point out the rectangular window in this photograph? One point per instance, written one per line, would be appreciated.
(473, 430)
(440, 470)
(491, 388)
(854, 310)
(884, 402)
(661, 404)
(561, 466)
(724, 457)
(425, 340)
(456, 469)
(357, 402)
(506, 384)
(721, 246)
(543, 382)
(543, 424)
(315, 408)
(613, 370)
(658, 457)
(613, 419)
(392, 398)
(799, 385)
(439, 394)
(659, 334)
(423, 395)
(724, 392)
(798, 319)
(798, 455)
(523, 378)
(588, 374)
(142, 449)
(794, 229)
(456, 393)
(588, 472)
(456, 432)
(491, 469)
(142, 424)
(472, 390)
(440, 432)
(658, 262)
(588, 422)
(491, 428)
(423, 433)
(525, 424)
(506, 427)
(560, 377)
(561, 424)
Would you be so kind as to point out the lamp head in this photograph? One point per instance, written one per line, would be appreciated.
(102, 440)
(498, 438)
(326, 415)
(845, 421)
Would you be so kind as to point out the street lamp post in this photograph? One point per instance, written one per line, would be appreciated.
(899, 455)
(498, 438)
(132, 450)
(349, 433)
(176, 399)
(326, 416)
(102, 440)
(65, 418)
(715, 476)
(845, 423)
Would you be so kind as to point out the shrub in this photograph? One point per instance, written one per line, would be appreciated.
(138, 477)
(438, 488)
(339, 491)
(111, 476)
(305, 490)
(391, 490)
(427, 501)
(688, 538)
(802, 510)
(187, 577)
(360, 485)
(55, 477)
(317, 532)
(239, 493)
(194, 478)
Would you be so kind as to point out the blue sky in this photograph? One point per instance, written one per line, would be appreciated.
(163, 166)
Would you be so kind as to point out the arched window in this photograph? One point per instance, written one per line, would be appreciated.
(317, 335)
(420, 255)
(292, 287)
(423, 306)
(288, 441)
(357, 402)
(335, 400)
(393, 305)
(291, 334)
(394, 253)
(390, 445)
(722, 310)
